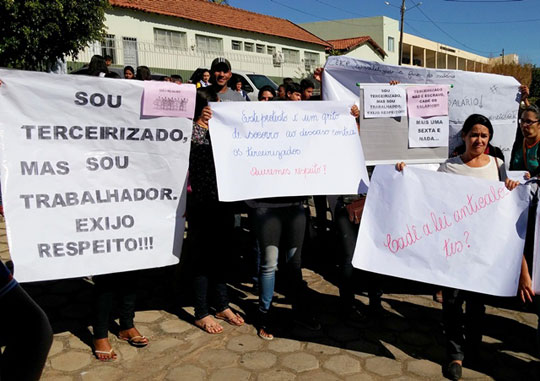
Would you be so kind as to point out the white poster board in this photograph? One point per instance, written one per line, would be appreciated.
(469, 238)
(428, 132)
(89, 187)
(495, 96)
(384, 101)
(536, 255)
(273, 149)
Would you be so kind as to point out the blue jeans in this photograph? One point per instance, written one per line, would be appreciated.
(280, 227)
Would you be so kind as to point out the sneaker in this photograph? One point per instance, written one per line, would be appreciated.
(307, 321)
(454, 371)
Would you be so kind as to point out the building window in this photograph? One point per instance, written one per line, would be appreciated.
(209, 44)
(291, 55)
(236, 45)
(260, 48)
(108, 47)
(270, 50)
(170, 39)
(391, 47)
(248, 46)
(311, 59)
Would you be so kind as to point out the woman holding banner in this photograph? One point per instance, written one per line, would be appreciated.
(464, 333)
(211, 225)
(110, 287)
(280, 224)
(526, 157)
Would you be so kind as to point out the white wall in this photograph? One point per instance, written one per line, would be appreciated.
(378, 28)
(365, 52)
(128, 23)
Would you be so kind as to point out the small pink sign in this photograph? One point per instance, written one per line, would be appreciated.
(426, 101)
(168, 99)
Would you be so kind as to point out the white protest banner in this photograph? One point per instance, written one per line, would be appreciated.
(272, 149)
(89, 187)
(536, 255)
(428, 132)
(384, 101)
(495, 96)
(444, 229)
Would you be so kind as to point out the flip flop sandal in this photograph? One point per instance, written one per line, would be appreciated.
(110, 353)
(136, 341)
(205, 327)
(234, 321)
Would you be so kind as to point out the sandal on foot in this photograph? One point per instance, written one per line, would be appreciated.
(265, 335)
(209, 325)
(438, 297)
(235, 320)
(136, 341)
(105, 356)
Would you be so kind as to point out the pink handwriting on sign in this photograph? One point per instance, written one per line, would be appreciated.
(168, 99)
(452, 248)
(254, 171)
(426, 101)
(315, 169)
(476, 203)
(400, 243)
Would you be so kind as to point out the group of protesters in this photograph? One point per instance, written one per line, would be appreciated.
(277, 228)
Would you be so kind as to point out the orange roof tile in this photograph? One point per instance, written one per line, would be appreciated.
(351, 43)
(223, 15)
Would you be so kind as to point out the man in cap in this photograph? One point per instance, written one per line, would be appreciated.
(220, 73)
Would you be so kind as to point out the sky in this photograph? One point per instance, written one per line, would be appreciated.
(483, 27)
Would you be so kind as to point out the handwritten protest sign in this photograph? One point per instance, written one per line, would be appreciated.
(469, 238)
(384, 101)
(272, 149)
(426, 101)
(495, 96)
(168, 99)
(89, 187)
(536, 255)
(428, 132)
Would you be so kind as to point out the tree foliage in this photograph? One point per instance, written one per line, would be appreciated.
(535, 83)
(521, 72)
(224, 2)
(35, 33)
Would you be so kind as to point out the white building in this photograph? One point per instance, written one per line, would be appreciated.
(417, 51)
(183, 35)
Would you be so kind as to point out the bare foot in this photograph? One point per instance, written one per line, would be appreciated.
(133, 336)
(230, 317)
(103, 350)
(209, 325)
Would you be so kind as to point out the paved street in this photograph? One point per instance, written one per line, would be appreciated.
(406, 343)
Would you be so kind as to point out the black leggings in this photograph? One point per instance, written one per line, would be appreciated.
(27, 335)
(107, 287)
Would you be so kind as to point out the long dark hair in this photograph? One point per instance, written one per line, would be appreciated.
(474, 119)
(204, 95)
(97, 66)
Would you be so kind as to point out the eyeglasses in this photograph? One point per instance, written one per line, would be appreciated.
(527, 122)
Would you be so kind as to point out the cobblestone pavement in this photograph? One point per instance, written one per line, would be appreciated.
(405, 343)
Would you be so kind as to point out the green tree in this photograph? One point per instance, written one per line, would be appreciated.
(225, 2)
(535, 83)
(35, 34)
